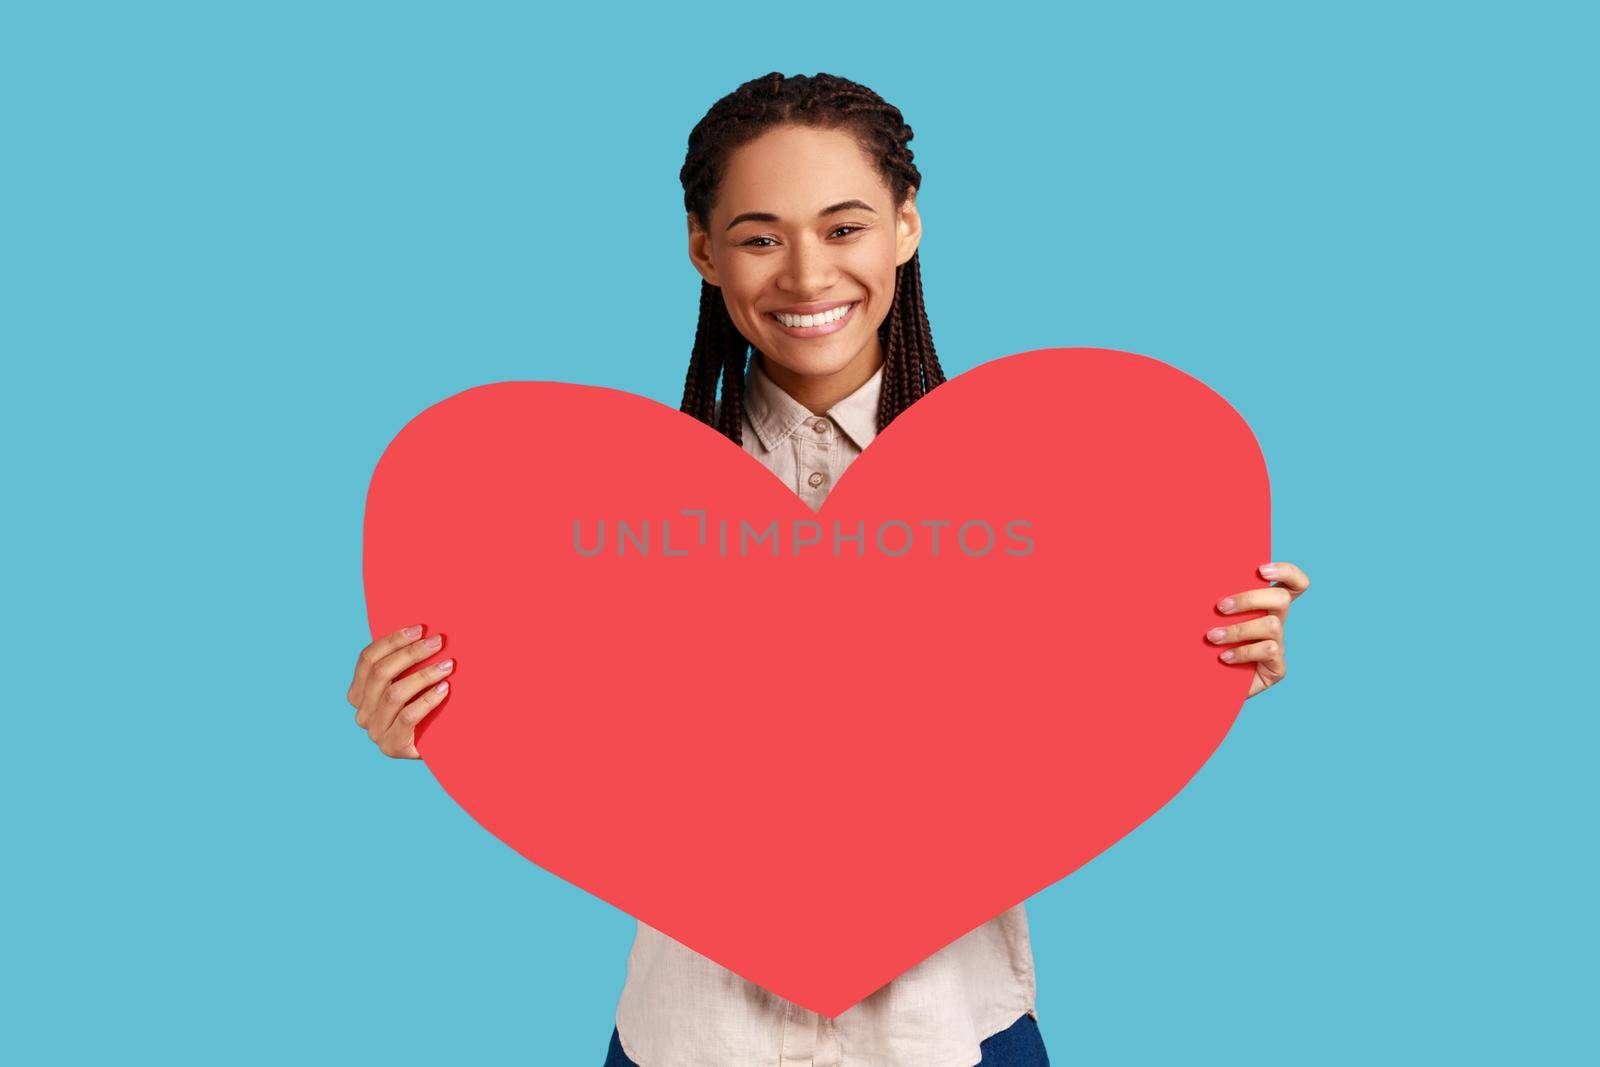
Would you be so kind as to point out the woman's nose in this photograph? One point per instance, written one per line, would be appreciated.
(807, 269)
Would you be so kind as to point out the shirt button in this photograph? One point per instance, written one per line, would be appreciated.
(821, 426)
(816, 478)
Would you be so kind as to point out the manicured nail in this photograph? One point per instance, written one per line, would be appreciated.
(1216, 635)
(1228, 655)
(1268, 570)
(1225, 604)
(442, 687)
(445, 666)
(411, 631)
(432, 642)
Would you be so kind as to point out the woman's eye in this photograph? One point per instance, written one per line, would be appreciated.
(752, 242)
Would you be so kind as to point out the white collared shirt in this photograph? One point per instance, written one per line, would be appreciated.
(681, 1009)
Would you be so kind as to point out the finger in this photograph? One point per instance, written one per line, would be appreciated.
(1272, 669)
(375, 652)
(1287, 575)
(1257, 652)
(1273, 598)
(385, 670)
(372, 654)
(399, 741)
(400, 693)
(1267, 626)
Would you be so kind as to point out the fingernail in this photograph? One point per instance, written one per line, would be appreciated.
(1225, 604)
(442, 687)
(432, 642)
(1228, 654)
(411, 631)
(445, 666)
(1216, 635)
(1268, 571)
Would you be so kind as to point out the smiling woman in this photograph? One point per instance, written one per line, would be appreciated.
(802, 223)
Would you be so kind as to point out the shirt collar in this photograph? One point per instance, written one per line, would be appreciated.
(775, 414)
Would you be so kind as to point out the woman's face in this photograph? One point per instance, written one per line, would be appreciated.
(803, 248)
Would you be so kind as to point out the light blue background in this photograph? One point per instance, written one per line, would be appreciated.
(243, 245)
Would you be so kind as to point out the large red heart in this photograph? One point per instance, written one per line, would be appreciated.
(821, 766)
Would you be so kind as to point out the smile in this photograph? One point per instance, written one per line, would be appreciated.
(818, 325)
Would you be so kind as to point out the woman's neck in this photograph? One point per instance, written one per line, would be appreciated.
(819, 392)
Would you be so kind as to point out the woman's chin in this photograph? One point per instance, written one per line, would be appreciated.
(812, 362)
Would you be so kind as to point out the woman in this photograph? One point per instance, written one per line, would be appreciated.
(802, 222)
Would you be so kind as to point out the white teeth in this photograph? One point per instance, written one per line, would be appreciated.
(821, 319)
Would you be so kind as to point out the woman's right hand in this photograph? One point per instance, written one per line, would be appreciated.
(389, 706)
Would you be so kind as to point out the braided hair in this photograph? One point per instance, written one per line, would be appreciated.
(911, 367)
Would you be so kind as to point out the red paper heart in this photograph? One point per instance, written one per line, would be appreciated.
(818, 769)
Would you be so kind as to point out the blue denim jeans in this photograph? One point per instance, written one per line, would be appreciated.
(1018, 1045)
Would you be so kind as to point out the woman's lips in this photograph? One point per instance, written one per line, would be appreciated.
(817, 331)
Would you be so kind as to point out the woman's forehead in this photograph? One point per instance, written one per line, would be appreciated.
(798, 171)
(789, 146)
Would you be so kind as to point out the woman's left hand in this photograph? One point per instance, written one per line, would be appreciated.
(1265, 635)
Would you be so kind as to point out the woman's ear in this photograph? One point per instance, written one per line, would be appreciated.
(700, 252)
(908, 230)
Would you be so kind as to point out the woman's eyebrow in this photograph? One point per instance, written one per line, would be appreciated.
(767, 216)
